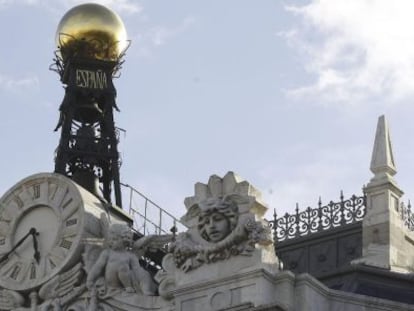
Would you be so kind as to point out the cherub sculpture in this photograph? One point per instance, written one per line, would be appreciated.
(120, 267)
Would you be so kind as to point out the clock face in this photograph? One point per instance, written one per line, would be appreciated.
(50, 204)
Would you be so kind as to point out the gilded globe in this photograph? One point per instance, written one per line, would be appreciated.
(91, 31)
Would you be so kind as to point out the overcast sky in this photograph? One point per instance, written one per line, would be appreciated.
(284, 93)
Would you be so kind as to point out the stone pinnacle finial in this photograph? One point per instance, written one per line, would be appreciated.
(382, 162)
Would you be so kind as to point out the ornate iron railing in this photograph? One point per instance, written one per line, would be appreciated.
(149, 217)
(407, 216)
(313, 220)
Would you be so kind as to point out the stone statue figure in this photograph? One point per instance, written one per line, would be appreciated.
(117, 268)
(109, 277)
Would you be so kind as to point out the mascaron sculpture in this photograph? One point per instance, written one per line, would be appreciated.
(225, 222)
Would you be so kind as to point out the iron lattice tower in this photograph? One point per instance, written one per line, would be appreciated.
(87, 150)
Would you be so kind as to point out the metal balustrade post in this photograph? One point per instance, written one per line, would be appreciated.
(297, 233)
(320, 215)
(342, 209)
(145, 215)
(130, 199)
(160, 223)
(274, 226)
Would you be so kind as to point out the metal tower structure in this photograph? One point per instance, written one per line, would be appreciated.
(89, 56)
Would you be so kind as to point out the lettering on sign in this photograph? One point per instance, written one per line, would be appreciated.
(91, 79)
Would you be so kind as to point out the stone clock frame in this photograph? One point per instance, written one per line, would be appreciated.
(62, 213)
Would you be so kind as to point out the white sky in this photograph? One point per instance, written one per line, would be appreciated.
(284, 93)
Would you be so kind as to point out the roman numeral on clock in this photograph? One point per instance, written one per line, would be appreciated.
(71, 222)
(54, 258)
(52, 264)
(65, 244)
(15, 272)
(36, 191)
(32, 271)
(64, 205)
(18, 201)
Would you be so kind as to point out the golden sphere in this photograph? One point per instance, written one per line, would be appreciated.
(91, 31)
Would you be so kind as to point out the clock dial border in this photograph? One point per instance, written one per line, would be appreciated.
(25, 199)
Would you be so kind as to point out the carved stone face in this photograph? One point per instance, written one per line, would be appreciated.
(216, 226)
(217, 219)
(119, 237)
(127, 237)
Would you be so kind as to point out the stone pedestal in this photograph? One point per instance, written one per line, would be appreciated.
(259, 259)
(254, 288)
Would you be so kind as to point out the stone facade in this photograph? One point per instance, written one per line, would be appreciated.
(61, 248)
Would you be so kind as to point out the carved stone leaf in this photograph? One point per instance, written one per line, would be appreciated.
(10, 299)
(215, 185)
(105, 224)
(91, 255)
(62, 284)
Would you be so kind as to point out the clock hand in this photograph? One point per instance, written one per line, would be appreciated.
(6, 256)
(35, 245)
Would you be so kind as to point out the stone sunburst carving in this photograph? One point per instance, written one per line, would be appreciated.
(226, 234)
(225, 219)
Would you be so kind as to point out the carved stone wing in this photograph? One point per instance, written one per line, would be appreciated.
(62, 284)
(151, 243)
(91, 255)
(10, 299)
(105, 224)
